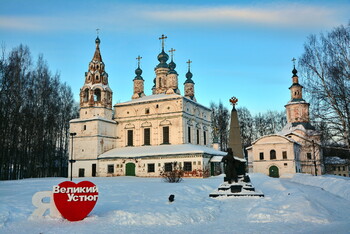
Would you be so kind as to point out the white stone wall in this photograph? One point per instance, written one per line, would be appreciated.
(313, 149)
(199, 163)
(176, 113)
(279, 144)
(85, 164)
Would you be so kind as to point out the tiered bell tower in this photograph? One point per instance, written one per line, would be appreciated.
(161, 70)
(297, 108)
(96, 95)
(94, 132)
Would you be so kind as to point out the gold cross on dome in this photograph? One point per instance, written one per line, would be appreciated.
(97, 31)
(163, 38)
(172, 53)
(139, 59)
(294, 61)
(189, 64)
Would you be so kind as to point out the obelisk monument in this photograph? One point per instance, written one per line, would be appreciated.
(235, 142)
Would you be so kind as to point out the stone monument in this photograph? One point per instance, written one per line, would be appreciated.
(236, 182)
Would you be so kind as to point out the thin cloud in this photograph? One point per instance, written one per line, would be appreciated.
(118, 17)
(286, 15)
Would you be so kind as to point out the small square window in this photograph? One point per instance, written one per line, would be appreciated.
(284, 154)
(308, 155)
(194, 163)
(187, 166)
(261, 155)
(168, 167)
(285, 164)
(110, 168)
(199, 163)
(150, 167)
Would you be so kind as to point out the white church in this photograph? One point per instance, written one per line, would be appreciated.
(145, 135)
(296, 149)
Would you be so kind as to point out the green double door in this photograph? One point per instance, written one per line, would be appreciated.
(130, 169)
(273, 172)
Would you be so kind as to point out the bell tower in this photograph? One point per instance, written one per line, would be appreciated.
(172, 78)
(297, 108)
(189, 84)
(138, 82)
(96, 95)
(161, 70)
(95, 130)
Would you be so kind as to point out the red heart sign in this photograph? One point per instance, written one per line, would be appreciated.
(75, 201)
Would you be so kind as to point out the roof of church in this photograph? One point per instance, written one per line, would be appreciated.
(159, 150)
(305, 127)
(275, 135)
(157, 97)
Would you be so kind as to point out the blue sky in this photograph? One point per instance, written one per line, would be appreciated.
(238, 48)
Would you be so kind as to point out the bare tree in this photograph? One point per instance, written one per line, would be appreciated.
(246, 126)
(325, 68)
(220, 123)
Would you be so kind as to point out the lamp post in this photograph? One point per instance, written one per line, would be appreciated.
(71, 161)
(313, 150)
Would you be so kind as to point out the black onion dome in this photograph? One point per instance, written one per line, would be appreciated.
(98, 41)
(294, 72)
(189, 77)
(172, 67)
(138, 73)
(162, 58)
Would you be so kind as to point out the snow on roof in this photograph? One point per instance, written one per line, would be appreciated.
(276, 135)
(289, 128)
(216, 159)
(159, 150)
(90, 119)
(335, 160)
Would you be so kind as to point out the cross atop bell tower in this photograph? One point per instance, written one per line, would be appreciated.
(189, 64)
(163, 39)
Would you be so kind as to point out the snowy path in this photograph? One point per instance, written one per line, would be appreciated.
(139, 205)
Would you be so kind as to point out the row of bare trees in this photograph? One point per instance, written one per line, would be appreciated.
(251, 127)
(34, 117)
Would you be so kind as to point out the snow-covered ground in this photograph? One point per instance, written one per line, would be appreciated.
(301, 204)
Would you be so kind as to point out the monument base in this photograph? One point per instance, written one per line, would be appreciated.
(243, 187)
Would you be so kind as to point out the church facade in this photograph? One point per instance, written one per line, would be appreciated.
(296, 149)
(143, 136)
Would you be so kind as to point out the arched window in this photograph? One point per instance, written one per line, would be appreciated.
(97, 78)
(86, 95)
(272, 154)
(97, 95)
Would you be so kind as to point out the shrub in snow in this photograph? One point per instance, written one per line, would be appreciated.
(172, 174)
